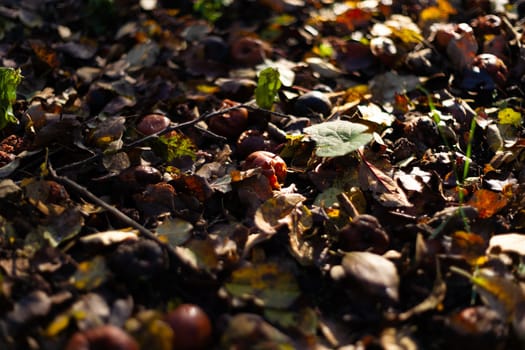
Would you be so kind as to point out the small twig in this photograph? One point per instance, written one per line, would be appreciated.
(111, 209)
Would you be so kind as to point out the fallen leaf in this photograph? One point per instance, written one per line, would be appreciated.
(487, 202)
(267, 284)
(273, 213)
(384, 189)
(338, 138)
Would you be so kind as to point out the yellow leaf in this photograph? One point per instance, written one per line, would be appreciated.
(446, 7)
(57, 325)
(432, 14)
(509, 116)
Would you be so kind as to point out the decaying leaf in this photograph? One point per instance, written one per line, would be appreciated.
(276, 211)
(487, 202)
(267, 284)
(382, 186)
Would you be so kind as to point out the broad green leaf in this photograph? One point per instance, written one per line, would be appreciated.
(267, 87)
(338, 138)
(9, 80)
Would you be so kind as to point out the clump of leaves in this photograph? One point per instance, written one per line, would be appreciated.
(268, 85)
(9, 80)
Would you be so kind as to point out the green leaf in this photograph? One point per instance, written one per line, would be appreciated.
(267, 87)
(9, 80)
(177, 146)
(338, 138)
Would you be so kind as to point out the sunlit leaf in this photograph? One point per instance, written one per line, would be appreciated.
(177, 146)
(268, 284)
(338, 138)
(487, 202)
(509, 116)
(91, 274)
(268, 85)
(274, 212)
(9, 80)
(373, 113)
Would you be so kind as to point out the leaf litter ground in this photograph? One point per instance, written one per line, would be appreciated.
(316, 175)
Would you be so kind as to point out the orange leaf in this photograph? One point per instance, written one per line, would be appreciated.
(487, 202)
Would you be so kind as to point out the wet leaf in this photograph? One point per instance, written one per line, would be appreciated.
(267, 284)
(487, 202)
(268, 85)
(338, 138)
